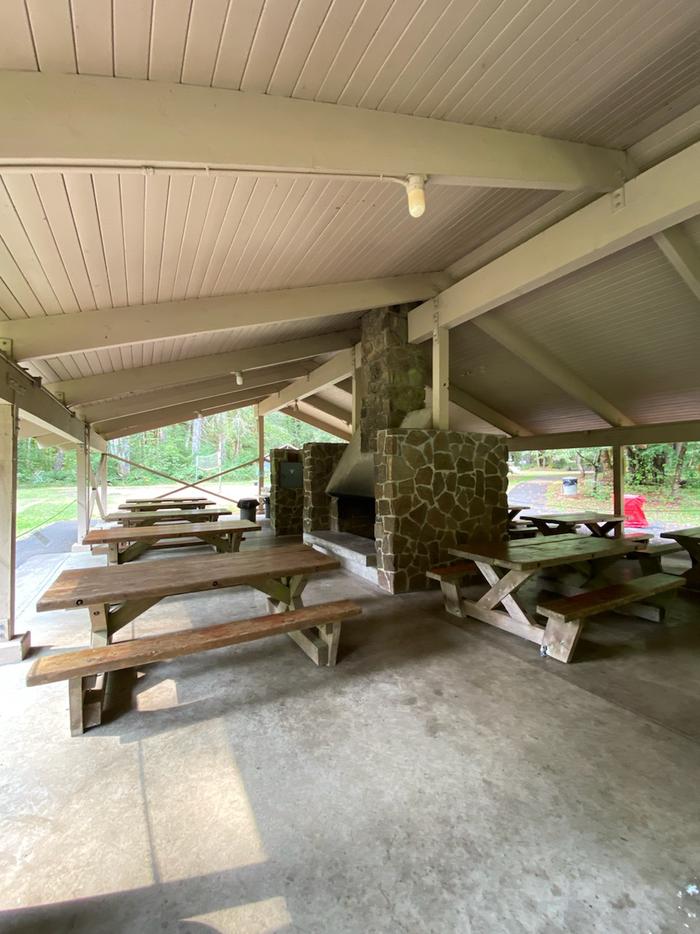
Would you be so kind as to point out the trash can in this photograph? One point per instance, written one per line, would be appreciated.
(569, 486)
(266, 503)
(248, 508)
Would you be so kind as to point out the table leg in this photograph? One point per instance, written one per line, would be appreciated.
(513, 618)
(99, 624)
(320, 642)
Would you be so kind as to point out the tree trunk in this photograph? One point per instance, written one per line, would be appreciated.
(681, 452)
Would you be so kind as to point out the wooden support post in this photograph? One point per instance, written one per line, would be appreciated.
(83, 493)
(261, 454)
(102, 486)
(13, 648)
(441, 376)
(357, 388)
(618, 462)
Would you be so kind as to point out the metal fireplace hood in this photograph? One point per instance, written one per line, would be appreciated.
(354, 473)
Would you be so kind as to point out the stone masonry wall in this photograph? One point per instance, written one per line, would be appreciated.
(320, 460)
(434, 489)
(394, 373)
(286, 506)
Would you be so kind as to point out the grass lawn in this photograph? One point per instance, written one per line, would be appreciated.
(38, 506)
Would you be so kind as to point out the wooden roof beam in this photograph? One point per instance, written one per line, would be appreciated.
(682, 254)
(54, 335)
(666, 432)
(659, 198)
(335, 370)
(316, 422)
(75, 119)
(483, 411)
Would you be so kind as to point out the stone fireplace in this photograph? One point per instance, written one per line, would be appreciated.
(393, 501)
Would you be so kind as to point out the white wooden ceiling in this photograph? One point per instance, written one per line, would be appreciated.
(606, 72)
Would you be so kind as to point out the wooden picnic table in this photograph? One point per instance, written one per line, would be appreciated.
(599, 524)
(151, 505)
(126, 544)
(520, 561)
(115, 596)
(162, 499)
(690, 540)
(133, 519)
(514, 509)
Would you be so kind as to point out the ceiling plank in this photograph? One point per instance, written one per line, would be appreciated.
(666, 432)
(336, 369)
(540, 359)
(191, 392)
(476, 407)
(110, 327)
(97, 120)
(682, 254)
(661, 197)
(90, 389)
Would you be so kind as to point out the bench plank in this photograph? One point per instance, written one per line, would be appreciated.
(592, 602)
(452, 571)
(146, 651)
(168, 530)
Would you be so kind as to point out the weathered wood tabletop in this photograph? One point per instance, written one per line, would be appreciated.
(132, 519)
(521, 560)
(599, 524)
(114, 596)
(163, 499)
(225, 536)
(151, 505)
(690, 540)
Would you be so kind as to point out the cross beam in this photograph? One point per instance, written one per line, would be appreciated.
(335, 370)
(96, 120)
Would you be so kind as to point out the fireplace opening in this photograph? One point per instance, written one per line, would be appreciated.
(353, 514)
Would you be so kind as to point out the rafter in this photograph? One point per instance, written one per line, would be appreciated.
(96, 120)
(89, 389)
(661, 197)
(254, 383)
(316, 422)
(328, 408)
(336, 369)
(548, 366)
(682, 254)
(111, 327)
(483, 411)
(604, 437)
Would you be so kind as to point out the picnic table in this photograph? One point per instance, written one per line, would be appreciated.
(689, 539)
(150, 505)
(163, 499)
(514, 509)
(507, 566)
(128, 543)
(599, 524)
(133, 519)
(115, 596)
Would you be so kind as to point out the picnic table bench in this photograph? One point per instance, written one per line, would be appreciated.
(507, 566)
(600, 524)
(133, 519)
(128, 543)
(163, 499)
(115, 596)
(151, 505)
(85, 669)
(689, 539)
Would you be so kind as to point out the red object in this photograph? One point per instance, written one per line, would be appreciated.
(634, 511)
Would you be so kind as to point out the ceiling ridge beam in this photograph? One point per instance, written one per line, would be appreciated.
(548, 366)
(335, 370)
(75, 119)
(487, 414)
(54, 335)
(682, 254)
(86, 390)
(661, 197)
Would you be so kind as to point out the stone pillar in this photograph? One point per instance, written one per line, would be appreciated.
(394, 373)
(434, 489)
(12, 647)
(320, 461)
(286, 502)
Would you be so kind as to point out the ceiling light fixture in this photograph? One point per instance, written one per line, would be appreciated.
(415, 189)
(239, 377)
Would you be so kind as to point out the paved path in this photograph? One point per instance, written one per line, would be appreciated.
(53, 539)
(530, 492)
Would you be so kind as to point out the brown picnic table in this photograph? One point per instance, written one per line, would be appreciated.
(133, 519)
(163, 499)
(514, 509)
(126, 544)
(599, 524)
(151, 505)
(689, 539)
(115, 596)
(507, 566)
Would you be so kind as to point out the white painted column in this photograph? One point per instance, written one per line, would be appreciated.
(357, 389)
(261, 454)
(618, 462)
(441, 376)
(82, 494)
(102, 484)
(12, 647)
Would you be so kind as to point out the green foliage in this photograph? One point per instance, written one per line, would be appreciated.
(190, 450)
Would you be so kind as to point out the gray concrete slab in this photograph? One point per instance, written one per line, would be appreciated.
(53, 539)
(443, 778)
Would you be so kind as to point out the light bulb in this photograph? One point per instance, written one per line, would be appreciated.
(239, 378)
(415, 188)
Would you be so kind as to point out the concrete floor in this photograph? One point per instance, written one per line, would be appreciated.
(443, 778)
